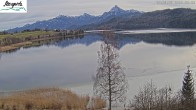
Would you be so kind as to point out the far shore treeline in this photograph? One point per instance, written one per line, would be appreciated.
(12, 41)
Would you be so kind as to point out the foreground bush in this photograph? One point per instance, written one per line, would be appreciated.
(44, 99)
(152, 98)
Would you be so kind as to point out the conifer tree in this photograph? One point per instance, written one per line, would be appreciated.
(188, 91)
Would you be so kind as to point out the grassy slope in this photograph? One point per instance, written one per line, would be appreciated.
(22, 37)
(27, 34)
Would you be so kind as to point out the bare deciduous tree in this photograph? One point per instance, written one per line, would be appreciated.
(0, 56)
(152, 98)
(110, 82)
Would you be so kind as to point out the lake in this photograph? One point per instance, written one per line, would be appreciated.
(71, 63)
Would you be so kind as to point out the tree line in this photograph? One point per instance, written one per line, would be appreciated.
(152, 98)
(36, 34)
(110, 83)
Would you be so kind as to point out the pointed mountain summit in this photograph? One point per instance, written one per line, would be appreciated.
(116, 9)
(86, 15)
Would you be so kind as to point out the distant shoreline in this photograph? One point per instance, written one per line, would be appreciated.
(144, 31)
(156, 30)
(30, 39)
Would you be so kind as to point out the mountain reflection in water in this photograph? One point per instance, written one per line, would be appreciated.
(64, 61)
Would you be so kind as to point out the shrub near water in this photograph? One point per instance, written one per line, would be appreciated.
(44, 99)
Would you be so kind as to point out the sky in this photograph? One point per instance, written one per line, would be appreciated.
(39, 10)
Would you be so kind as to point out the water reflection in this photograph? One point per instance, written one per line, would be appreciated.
(60, 62)
(167, 39)
(84, 40)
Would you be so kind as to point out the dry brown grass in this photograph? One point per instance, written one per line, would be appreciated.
(46, 99)
(99, 103)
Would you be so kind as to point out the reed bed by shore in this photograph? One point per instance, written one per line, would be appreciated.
(48, 99)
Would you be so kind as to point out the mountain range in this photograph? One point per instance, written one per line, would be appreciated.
(118, 18)
(168, 18)
(75, 22)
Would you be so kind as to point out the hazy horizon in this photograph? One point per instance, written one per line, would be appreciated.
(44, 10)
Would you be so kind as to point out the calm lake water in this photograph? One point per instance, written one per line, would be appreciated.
(72, 63)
